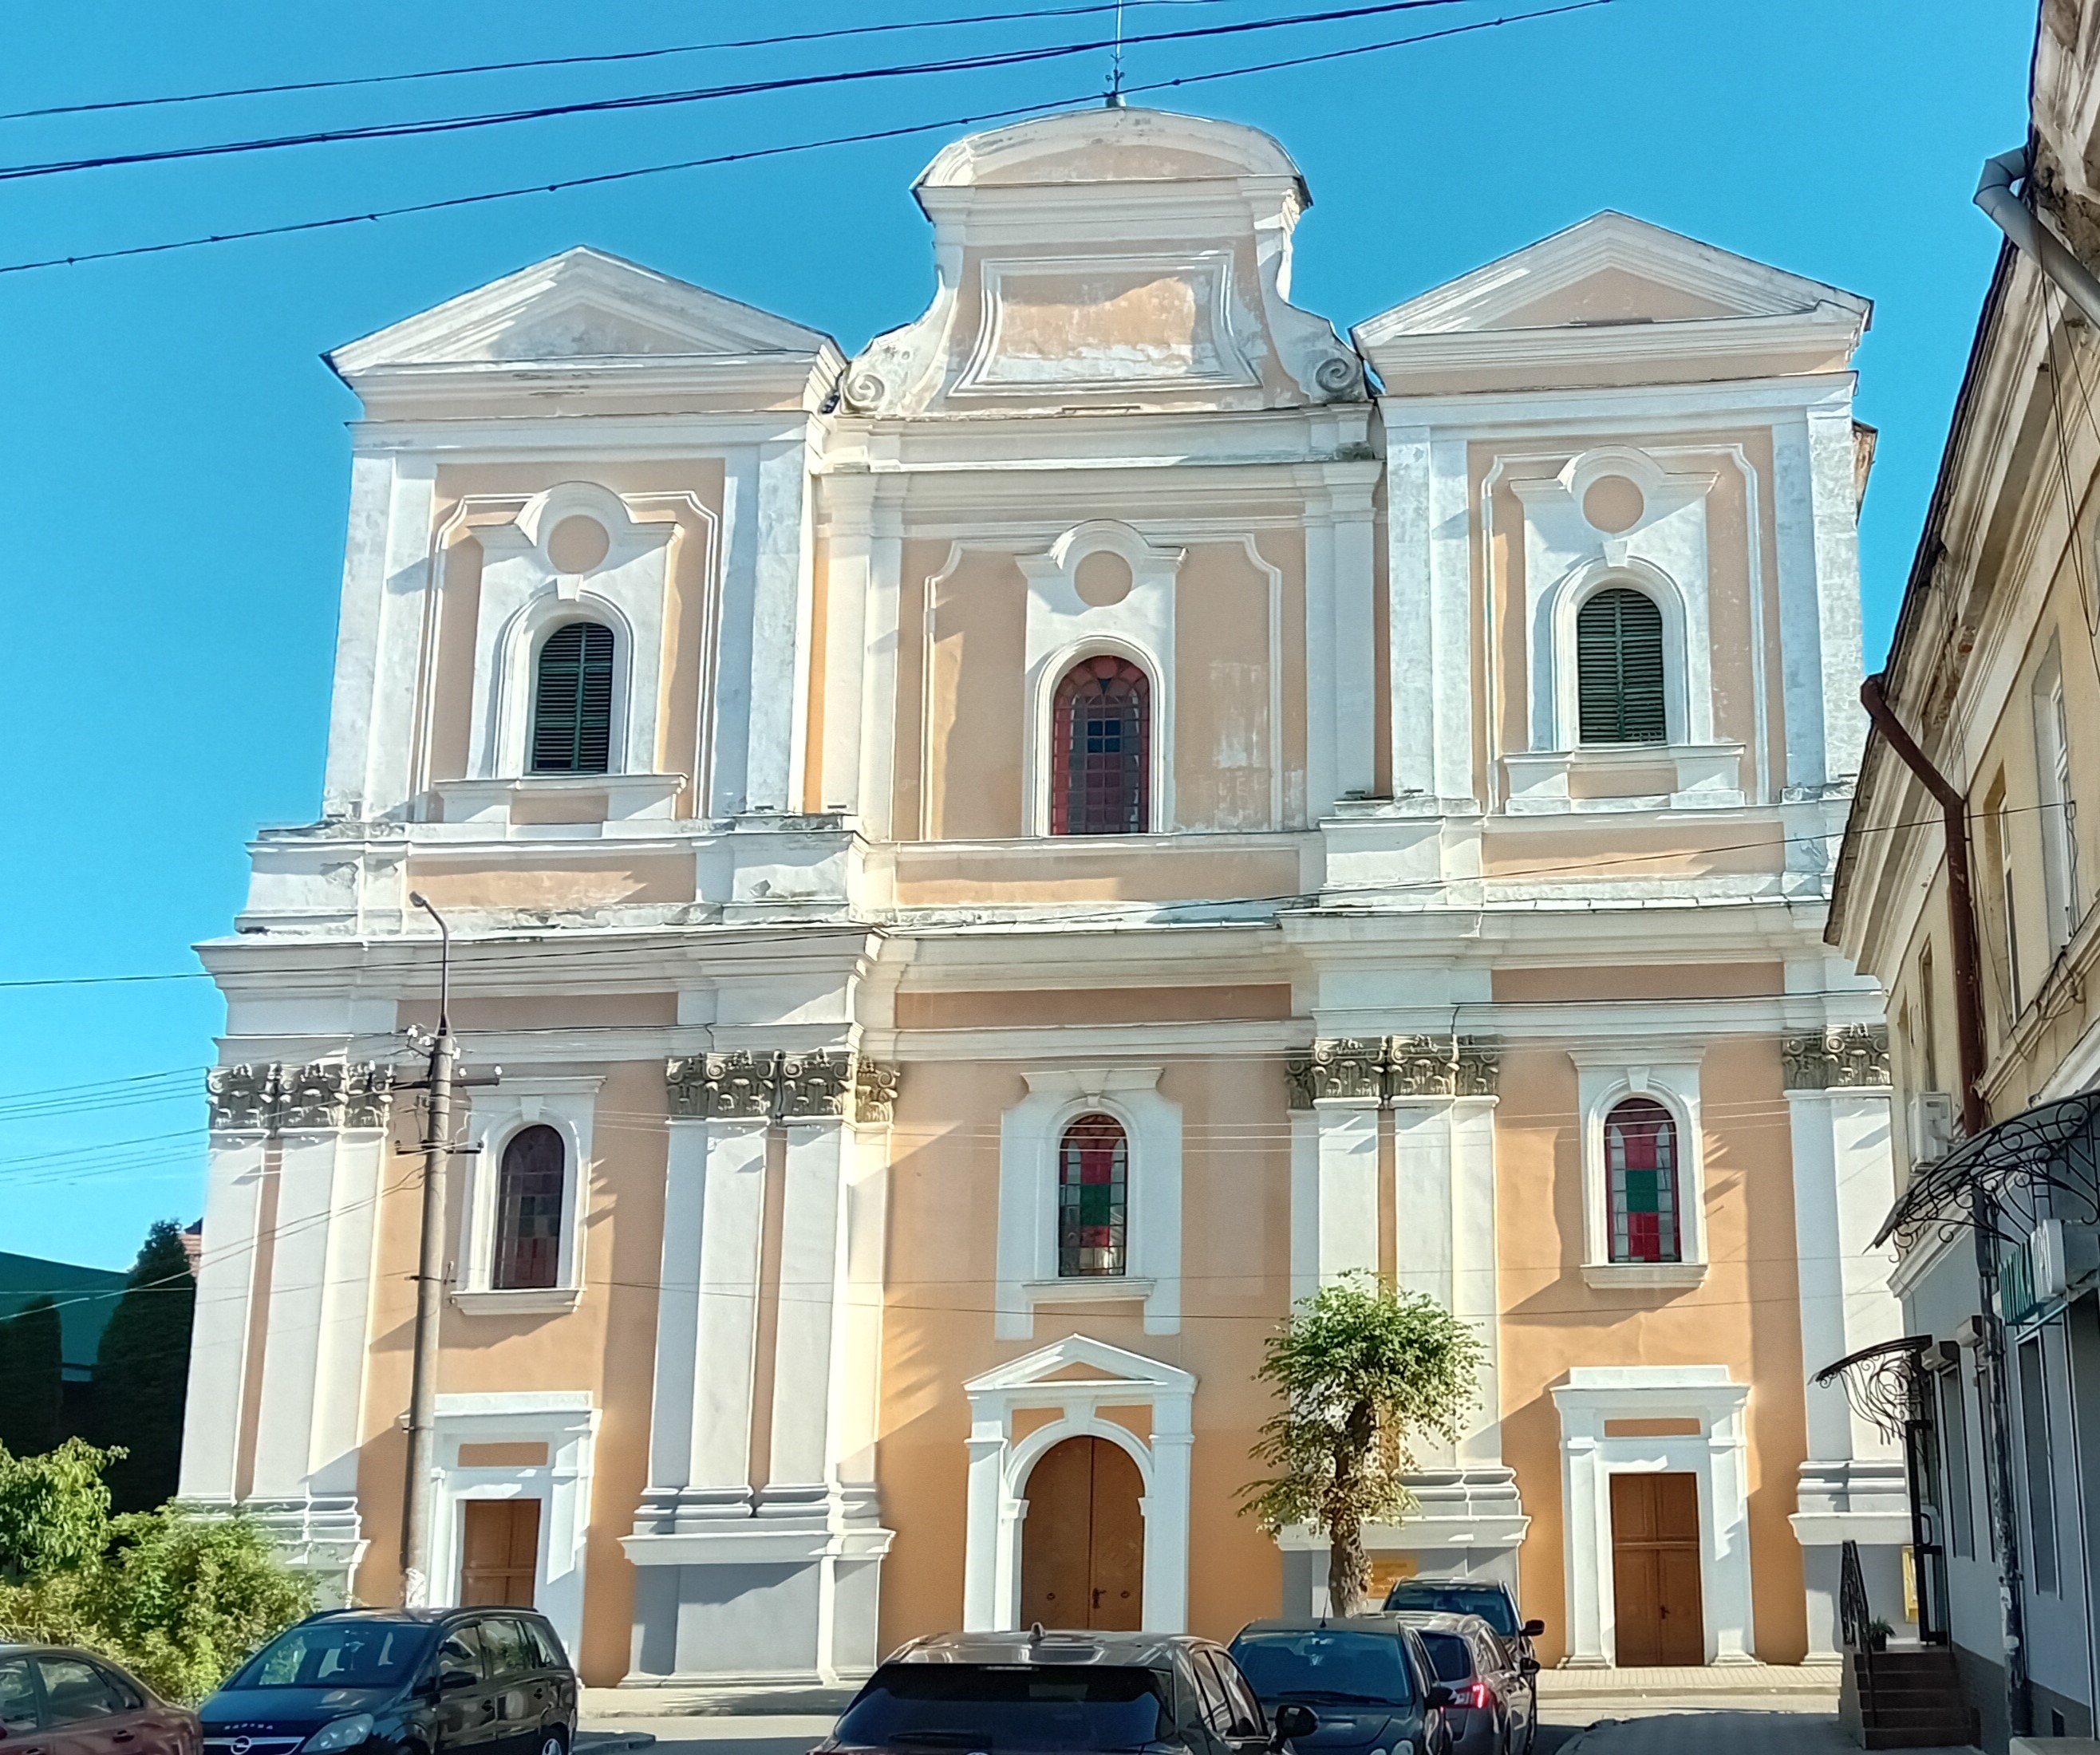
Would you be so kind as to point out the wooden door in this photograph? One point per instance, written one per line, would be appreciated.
(1655, 1570)
(500, 1551)
(1082, 1542)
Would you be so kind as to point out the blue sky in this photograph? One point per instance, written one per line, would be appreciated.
(176, 454)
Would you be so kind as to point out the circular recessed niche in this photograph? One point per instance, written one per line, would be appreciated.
(1102, 579)
(1612, 505)
(578, 545)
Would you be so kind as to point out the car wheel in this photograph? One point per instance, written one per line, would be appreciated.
(554, 1742)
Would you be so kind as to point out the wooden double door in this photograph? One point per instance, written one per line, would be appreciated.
(1655, 1570)
(1082, 1542)
(500, 1551)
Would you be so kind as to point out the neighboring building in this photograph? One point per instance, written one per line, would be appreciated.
(85, 1296)
(1994, 672)
(991, 865)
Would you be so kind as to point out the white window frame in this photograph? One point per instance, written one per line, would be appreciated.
(1030, 1133)
(2059, 812)
(566, 1105)
(1664, 1072)
(1063, 628)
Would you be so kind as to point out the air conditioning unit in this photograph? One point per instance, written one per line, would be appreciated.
(1931, 1126)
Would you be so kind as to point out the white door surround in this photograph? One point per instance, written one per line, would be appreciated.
(1591, 1399)
(567, 1422)
(999, 1464)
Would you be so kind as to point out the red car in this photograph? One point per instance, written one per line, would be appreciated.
(59, 1701)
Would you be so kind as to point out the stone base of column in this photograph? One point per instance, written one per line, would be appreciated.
(1467, 1525)
(777, 1588)
(322, 1536)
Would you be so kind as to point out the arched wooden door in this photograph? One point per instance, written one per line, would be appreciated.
(1083, 1541)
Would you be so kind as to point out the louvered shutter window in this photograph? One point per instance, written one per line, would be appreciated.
(1618, 660)
(572, 701)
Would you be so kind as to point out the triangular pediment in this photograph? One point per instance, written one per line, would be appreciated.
(581, 305)
(1612, 270)
(1079, 1358)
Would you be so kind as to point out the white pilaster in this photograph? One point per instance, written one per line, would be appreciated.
(1411, 619)
(781, 587)
(878, 696)
(1840, 639)
(357, 633)
(1333, 1193)
(848, 555)
(405, 591)
(218, 1335)
(810, 1328)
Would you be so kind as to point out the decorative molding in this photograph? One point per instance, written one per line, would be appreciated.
(1846, 1057)
(318, 1097)
(1383, 1070)
(823, 1085)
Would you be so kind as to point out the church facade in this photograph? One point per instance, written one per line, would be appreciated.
(991, 865)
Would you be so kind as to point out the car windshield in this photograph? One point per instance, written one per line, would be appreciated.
(1324, 1664)
(1453, 1657)
(336, 1654)
(1493, 1605)
(1006, 1706)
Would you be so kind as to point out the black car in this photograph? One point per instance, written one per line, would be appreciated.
(1494, 1692)
(1368, 1678)
(400, 1681)
(1494, 1602)
(1042, 1691)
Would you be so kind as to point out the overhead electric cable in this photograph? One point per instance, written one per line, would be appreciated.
(901, 131)
(610, 57)
(701, 94)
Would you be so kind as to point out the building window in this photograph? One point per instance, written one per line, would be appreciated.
(2059, 809)
(1954, 1447)
(1640, 1156)
(572, 701)
(1618, 668)
(1093, 1198)
(1100, 739)
(528, 1211)
(2041, 1481)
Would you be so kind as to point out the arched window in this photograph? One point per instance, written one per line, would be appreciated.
(572, 701)
(1101, 742)
(1618, 667)
(528, 1211)
(1093, 1198)
(1640, 1156)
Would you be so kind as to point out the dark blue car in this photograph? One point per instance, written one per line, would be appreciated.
(1368, 1678)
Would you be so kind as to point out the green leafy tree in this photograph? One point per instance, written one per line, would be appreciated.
(179, 1597)
(32, 1378)
(141, 1371)
(1360, 1368)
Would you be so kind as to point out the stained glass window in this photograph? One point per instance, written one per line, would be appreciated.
(1093, 1198)
(1640, 1153)
(528, 1211)
(1102, 741)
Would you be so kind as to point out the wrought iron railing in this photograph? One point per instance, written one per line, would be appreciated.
(1854, 1616)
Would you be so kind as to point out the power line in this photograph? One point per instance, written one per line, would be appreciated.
(578, 60)
(981, 63)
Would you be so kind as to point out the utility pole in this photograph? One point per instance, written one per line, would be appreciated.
(440, 1080)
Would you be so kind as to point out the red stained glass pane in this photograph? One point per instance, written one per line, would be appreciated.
(528, 1211)
(1640, 1159)
(1093, 1204)
(1101, 737)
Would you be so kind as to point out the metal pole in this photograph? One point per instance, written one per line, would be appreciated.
(430, 1290)
(1997, 1424)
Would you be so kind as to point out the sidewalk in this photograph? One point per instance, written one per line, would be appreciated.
(1790, 1688)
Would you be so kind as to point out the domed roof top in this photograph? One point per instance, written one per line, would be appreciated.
(1108, 145)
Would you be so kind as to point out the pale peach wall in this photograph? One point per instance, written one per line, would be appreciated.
(1223, 745)
(978, 641)
(1745, 1315)
(606, 1345)
(1613, 295)
(1088, 1005)
(1574, 847)
(572, 881)
(943, 1222)
(1640, 980)
(929, 876)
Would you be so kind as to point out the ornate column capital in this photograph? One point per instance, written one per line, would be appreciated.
(825, 1084)
(322, 1097)
(1383, 1070)
(1846, 1057)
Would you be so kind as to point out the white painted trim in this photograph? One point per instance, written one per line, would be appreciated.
(1717, 1455)
(567, 1422)
(497, 1116)
(1029, 1135)
(1616, 1069)
(999, 1464)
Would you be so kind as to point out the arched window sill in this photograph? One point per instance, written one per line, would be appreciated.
(1087, 1289)
(531, 1301)
(1642, 1275)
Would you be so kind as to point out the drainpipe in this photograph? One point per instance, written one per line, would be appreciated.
(2030, 236)
(1997, 1422)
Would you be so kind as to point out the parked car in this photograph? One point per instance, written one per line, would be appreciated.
(1494, 1695)
(390, 1681)
(60, 1700)
(1369, 1678)
(1042, 1690)
(1493, 1602)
